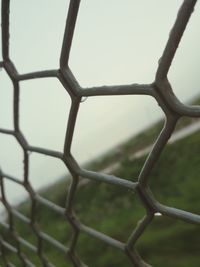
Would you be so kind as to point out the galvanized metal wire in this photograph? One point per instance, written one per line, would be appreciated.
(160, 90)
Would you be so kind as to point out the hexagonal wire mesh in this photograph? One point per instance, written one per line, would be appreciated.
(160, 90)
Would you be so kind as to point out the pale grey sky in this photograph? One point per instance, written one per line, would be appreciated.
(115, 42)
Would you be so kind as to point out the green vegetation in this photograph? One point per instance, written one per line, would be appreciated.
(143, 139)
(115, 211)
(175, 182)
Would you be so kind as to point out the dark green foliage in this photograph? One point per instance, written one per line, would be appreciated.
(175, 181)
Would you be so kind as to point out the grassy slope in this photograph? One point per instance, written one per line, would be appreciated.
(115, 211)
(140, 141)
(175, 182)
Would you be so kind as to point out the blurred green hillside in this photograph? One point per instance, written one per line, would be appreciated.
(175, 181)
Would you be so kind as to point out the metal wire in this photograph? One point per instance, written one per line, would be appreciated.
(160, 90)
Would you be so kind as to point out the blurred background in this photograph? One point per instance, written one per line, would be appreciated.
(115, 42)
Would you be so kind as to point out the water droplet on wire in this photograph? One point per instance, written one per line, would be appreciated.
(159, 61)
(158, 214)
(83, 99)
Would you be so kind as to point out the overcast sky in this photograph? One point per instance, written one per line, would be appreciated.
(115, 42)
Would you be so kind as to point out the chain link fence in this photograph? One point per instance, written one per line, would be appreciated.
(160, 90)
